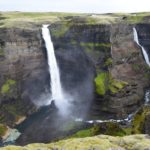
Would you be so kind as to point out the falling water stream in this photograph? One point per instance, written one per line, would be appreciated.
(143, 49)
(56, 89)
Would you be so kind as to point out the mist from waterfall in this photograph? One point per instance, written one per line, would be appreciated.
(58, 95)
(143, 50)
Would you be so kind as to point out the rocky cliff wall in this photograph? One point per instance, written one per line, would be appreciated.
(23, 70)
(83, 52)
(127, 65)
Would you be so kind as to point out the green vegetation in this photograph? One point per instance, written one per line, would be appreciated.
(108, 128)
(28, 19)
(1, 52)
(136, 67)
(111, 128)
(3, 130)
(127, 130)
(104, 82)
(135, 19)
(70, 125)
(59, 32)
(108, 62)
(94, 50)
(83, 133)
(115, 85)
(139, 119)
(95, 44)
(12, 112)
(100, 142)
(7, 86)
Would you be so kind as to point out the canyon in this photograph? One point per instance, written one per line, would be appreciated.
(102, 69)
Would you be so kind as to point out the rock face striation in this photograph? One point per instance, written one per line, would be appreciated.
(127, 65)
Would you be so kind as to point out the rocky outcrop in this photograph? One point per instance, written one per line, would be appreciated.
(140, 123)
(129, 66)
(23, 70)
(132, 142)
(144, 35)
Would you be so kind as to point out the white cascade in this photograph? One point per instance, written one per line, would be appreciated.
(143, 50)
(147, 97)
(56, 88)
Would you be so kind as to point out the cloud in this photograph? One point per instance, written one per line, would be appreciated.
(88, 6)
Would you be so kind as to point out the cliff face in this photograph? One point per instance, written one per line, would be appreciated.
(79, 51)
(128, 65)
(23, 70)
(83, 53)
(144, 35)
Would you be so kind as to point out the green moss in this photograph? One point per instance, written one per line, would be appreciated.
(108, 128)
(115, 86)
(100, 142)
(83, 133)
(108, 45)
(60, 32)
(3, 130)
(101, 82)
(11, 112)
(138, 123)
(11, 109)
(1, 52)
(70, 125)
(90, 20)
(136, 67)
(114, 129)
(128, 131)
(108, 62)
(139, 119)
(135, 19)
(104, 82)
(6, 87)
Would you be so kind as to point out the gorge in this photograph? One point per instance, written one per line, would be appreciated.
(96, 65)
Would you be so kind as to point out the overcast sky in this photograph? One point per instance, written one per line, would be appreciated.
(81, 6)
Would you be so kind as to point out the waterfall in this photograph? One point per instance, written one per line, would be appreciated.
(56, 88)
(147, 97)
(143, 50)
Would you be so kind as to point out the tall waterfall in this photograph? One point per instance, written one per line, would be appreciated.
(56, 88)
(143, 50)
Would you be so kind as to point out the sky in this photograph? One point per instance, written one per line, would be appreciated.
(79, 6)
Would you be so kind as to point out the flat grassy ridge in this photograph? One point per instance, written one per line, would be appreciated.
(28, 19)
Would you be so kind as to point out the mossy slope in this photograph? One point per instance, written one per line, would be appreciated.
(101, 142)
